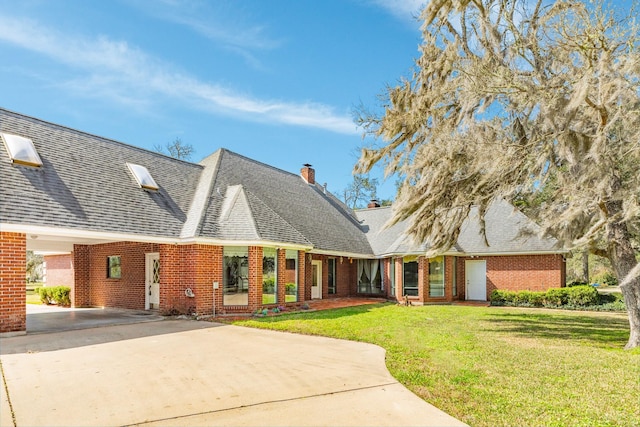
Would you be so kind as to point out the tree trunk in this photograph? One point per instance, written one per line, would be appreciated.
(623, 260)
(585, 266)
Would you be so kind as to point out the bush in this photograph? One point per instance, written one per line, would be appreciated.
(499, 297)
(60, 295)
(576, 283)
(555, 297)
(582, 296)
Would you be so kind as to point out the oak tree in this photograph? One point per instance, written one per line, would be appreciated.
(505, 96)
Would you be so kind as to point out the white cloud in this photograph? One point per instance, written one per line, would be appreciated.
(114, 70)
(405, 10)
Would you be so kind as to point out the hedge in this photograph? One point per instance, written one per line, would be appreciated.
(573, 297)
(60, 295)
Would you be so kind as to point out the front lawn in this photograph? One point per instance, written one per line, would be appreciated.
(490, 366)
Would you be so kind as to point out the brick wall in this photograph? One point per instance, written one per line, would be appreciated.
(129, 290)
(59, 270)
(81, 291)
(13, 289)
(519, 272)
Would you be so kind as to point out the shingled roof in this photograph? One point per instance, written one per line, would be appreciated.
(507, 230)
(85, 184)
(279, 207)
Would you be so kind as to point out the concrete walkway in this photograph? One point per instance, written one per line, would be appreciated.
(178, 372)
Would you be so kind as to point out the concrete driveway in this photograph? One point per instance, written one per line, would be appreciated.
(187, 373)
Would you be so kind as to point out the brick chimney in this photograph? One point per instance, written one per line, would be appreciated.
(308, 173)
(373, 204)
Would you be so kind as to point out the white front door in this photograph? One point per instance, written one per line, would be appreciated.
(316, 286)
(476, 280)
(152, 281)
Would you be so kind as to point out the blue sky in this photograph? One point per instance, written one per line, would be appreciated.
(273, 80)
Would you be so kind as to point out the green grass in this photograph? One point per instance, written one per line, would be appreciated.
(496, 366)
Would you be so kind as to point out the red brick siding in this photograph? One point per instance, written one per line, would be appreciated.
(255, 277)
(81, 291)
(281, 260)
(59, 270)
(519, 272)
(129, 290)
(304, 277)
(13, 288)
(190, 266)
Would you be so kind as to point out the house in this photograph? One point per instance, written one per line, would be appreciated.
(145, 231)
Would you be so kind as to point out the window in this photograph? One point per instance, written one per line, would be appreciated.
(436, 276)
(410, 276)
(235, 275)
(291, 276)
(269, 276)
(369, 276)
(21, 150)
(143, 177)
(114, 269)
(331, 275)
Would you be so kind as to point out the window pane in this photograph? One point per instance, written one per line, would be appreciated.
(235, 273)
(410, 278)
(331, 262)
(369, 276)
(269, 276)
(114, 270)
(436, 277)
(392, 277)
(291, 276)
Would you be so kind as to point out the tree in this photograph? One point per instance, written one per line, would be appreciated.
(360, 191)
(176, 149)
(505, 97)
(34, 267)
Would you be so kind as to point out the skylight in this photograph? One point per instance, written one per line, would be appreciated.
(143, 177)
(21, 150)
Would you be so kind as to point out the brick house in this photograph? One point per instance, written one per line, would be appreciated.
(145, 231)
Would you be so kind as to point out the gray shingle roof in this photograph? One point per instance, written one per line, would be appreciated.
(283, 207)
(85, 184)
(507, 230)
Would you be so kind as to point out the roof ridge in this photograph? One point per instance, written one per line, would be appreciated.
(201, 202)
(93, 135)
(249, 159)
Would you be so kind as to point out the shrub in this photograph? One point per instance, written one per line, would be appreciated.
(60, 295)
(576, 283)
(500, 297)
(582, 296)
(555, 297)
(529, 298)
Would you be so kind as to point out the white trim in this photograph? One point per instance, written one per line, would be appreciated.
(127, 237)
(84, 234)
(318, 263)
(342, 254)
